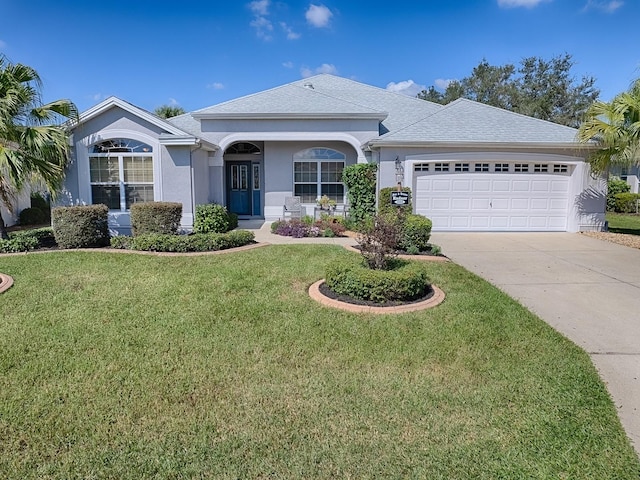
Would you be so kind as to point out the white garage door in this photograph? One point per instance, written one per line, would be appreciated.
(517, 197)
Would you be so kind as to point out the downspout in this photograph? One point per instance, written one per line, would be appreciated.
(192, 181)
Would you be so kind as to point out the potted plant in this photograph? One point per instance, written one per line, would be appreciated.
(326, 203)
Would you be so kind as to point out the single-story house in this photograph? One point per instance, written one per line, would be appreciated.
(471, 167)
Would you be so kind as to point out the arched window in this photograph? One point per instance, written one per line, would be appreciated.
(121, 173)
(317, 172)
(242, 148)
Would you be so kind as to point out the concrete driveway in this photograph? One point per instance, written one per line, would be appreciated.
(587, 289)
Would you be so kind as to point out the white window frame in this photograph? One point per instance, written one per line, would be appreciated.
(319, 155)
(121, 184)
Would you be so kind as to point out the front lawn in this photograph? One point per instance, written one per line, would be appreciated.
(126, 366)
(623, 223)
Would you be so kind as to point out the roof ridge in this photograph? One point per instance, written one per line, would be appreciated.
(342, 100)
(366, 85)
(249, 95)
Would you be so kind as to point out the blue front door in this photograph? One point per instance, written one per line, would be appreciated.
(239, 196)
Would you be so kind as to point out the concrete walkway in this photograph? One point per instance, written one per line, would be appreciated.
(587, 289)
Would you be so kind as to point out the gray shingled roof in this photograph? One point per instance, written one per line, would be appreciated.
(290, 99)
(468, 121)
(402, 110)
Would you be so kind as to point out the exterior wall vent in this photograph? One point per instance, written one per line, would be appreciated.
(308, 85)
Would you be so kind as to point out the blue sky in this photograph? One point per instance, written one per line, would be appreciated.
(199, 53)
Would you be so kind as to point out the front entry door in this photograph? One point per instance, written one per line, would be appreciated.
(239, 197)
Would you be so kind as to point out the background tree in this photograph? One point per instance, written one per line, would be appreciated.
(615, 128)
(34, 144)
(168, 111)
(544, 89)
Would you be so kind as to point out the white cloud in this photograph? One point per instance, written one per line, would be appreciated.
(173, 101)
(318, 15)
(608, 6)
(96, 97)
(3, 44)
(215, 85)
(324, 68)
(291, 35)
(443, 83)
(405, 87)
(260, 8)
(287, 64)
(520, 3)
(263, 27)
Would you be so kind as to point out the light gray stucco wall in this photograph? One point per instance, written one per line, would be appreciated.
(278, 171)
(177, 181)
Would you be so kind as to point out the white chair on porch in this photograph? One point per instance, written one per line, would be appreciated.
(292, 208)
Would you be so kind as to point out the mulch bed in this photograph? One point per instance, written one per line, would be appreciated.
(327, 292)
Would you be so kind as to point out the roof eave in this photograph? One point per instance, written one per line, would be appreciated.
(475, 145)
(289, 116)
(186, 141)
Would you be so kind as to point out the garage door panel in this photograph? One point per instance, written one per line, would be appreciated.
(481, 185)
(557, 204)
(461, 204)
(560, 186)
(501, 186)
(461, 185)
(521, 186)
(480, 204)
(441, 185)
(540, 186)
(441, 203)
(539, 204)
(519, 203)
(460, 221)
(500, 204)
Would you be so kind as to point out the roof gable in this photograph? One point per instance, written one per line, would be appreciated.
(112, 102)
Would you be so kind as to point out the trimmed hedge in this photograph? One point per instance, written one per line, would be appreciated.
(626, 202)
(404, 281)
(615, 185)
(214, 218)
(155, 217)
(32, 216)
(416, 232)
(81, 226)
(384, 201)
(197, 242)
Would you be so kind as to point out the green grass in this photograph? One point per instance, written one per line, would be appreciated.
(125, 366)
(624, 223)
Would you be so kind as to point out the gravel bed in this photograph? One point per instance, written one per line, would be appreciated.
(625, 239)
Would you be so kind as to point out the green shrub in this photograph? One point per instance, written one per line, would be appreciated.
(18, 244)
(360, 180)
(38, 201)
(404, 281)
(214, 218)
(155, 217)
(44, 236)
(197, 242)
(626, 202)
(384, 201)
(614, 187)
(81, 226)
(416, 231)
(32, 216)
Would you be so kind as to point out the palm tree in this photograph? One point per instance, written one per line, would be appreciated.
(33, 140)
(615, 128)
(168, 111)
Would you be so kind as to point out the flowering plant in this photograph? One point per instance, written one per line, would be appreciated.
(325, 202)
